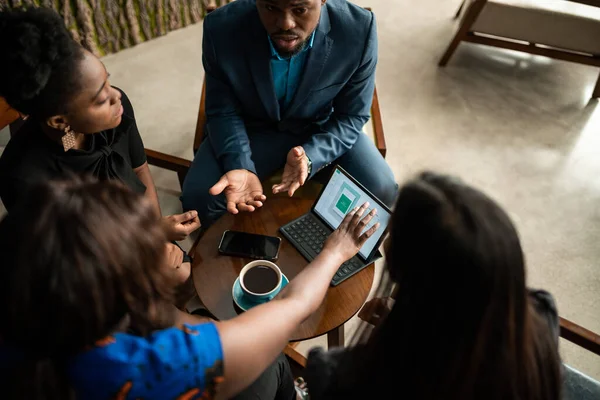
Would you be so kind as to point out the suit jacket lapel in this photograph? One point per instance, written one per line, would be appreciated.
(315, 62)
(259, 58)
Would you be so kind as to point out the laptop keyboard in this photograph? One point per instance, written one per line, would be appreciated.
(308, 235)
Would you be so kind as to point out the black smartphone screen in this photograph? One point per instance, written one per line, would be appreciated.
(250, 245)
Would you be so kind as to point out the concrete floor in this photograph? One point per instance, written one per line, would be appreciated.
(519, 127)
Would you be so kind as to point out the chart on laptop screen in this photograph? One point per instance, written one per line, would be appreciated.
(339, 197)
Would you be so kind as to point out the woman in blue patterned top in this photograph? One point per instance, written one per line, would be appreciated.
(82, 271)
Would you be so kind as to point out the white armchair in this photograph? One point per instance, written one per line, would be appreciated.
(563, 29)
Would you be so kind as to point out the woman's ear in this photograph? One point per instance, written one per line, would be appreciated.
(58, 122)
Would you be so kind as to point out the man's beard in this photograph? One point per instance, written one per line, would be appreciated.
(297, 50)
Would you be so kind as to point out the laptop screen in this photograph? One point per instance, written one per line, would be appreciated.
(339, 197)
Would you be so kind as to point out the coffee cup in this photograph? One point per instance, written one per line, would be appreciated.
(260, 280)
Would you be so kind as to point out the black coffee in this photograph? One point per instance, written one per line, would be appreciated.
(260, 279)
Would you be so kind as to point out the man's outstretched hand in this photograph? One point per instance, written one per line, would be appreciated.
(295, 172)
(242, 189)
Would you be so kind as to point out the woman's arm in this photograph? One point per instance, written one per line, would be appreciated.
(144, 175)
(253, 340)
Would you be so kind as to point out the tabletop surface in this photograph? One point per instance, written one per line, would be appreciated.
(214, 274)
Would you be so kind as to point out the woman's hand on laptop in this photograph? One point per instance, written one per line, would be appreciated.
(349, 237)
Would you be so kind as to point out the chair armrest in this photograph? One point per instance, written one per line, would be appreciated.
(378, 133)
(7, 114)
(580, 336)
(169, 162)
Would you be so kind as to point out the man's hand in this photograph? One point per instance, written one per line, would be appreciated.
(179, 226)
(294, 173)
(243, 190)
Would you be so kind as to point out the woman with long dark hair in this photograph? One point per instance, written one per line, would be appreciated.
(463, 324)
(76, 122)
(81, 267)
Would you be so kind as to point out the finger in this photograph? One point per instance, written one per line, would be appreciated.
(192, 225)
(186, 216)
(195, 221)
(347, 219)
(359, 214)
(282, 186)
(298, 151)
(231, 207)
(364, 222)
(254, 203)
(245, 207)
(293, 187)
(219, 186)
(285, 182)
(279, 188)
(303, 174)
(365, 236)
(259, 197)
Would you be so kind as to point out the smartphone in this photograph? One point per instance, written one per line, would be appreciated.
(250, 245)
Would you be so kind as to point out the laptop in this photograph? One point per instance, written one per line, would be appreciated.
(341, 194)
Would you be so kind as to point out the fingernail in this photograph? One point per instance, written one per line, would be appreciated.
(374, 211)
(367, 204)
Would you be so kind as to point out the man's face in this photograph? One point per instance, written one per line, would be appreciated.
(289, 23)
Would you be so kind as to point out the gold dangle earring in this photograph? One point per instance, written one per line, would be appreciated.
(68, 139)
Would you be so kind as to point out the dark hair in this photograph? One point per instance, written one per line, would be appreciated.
(39, 68)
(463, 325)
(80, 258)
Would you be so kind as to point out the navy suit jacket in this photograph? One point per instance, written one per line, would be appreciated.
(333, 99)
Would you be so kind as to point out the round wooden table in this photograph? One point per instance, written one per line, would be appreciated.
(214, 274)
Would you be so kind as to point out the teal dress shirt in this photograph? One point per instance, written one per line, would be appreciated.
(287, 72)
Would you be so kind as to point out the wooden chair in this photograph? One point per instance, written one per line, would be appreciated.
(566, 30)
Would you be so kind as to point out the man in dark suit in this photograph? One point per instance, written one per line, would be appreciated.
(288, 83)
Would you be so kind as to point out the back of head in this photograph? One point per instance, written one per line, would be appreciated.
(38, 72)
(462, 326)
(79, 258)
